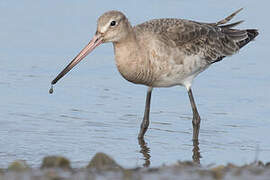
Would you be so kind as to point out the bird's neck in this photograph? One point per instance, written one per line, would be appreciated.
(127, 56)
(128, 40)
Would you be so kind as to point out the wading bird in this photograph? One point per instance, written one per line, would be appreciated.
(165, 52)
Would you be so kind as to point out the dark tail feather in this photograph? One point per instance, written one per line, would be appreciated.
(249, 35)
(252, 33)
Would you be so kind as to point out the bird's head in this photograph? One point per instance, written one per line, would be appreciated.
(112, 26)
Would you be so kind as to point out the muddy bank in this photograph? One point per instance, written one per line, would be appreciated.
(103, 167)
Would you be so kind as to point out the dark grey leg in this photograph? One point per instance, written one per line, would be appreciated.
(196, 152)
(196, 117)
(145, 122)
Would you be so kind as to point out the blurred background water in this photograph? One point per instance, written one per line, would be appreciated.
(94, 109)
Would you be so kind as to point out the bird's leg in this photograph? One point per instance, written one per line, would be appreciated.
(145, 122)
(196, 152)
(196, 117)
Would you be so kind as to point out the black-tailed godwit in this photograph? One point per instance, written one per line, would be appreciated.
(165, 52)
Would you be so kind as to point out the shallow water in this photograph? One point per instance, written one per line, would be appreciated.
(94, 109)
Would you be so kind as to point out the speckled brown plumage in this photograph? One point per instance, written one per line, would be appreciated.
(214, 41)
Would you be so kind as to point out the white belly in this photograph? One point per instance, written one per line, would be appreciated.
(181, 74)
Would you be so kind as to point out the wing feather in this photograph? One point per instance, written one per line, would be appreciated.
(213, 41)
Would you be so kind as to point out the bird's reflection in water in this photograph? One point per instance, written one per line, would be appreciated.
(145, 150)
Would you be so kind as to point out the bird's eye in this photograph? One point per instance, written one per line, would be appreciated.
(113, 23)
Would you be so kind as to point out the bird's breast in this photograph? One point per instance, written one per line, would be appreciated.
(135, 71)
(133, 65)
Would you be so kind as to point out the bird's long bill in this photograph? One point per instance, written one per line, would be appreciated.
(97, 40)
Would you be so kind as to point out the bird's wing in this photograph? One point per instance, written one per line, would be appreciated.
(213, 41)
